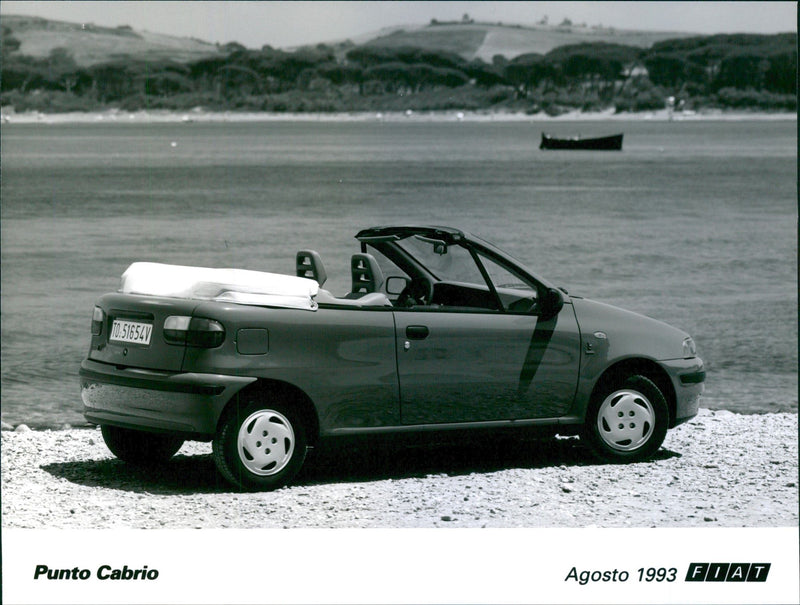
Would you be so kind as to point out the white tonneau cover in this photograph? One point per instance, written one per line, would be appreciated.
(224, 285)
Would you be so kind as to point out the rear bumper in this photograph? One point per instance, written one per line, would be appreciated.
(688, 376)
(184, 403)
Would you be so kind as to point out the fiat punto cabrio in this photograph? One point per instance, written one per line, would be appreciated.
(440, 331)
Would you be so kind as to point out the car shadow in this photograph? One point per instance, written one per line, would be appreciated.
(337, 463)
(378, 461)
(180, 475)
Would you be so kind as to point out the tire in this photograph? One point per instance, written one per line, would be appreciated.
(139, 447)
(627, 420)
(260, 446)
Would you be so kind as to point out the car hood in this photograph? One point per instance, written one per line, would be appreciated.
(626, 333)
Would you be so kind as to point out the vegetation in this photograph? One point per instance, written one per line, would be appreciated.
(739, 71)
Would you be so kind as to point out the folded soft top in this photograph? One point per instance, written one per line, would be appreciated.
(224, 285)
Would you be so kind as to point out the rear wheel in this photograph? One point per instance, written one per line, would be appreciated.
(627, 420)
(260, 446)
(139, 447)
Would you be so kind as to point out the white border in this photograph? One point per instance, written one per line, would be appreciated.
(395, 566)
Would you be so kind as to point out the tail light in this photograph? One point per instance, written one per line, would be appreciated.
(98, 319)
(193, 331)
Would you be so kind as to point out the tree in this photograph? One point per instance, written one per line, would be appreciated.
(781, 75)
(742, 70)
(116, 80)
(341, 74)
(598, 66)
(527, 71)
(484, 74)
(9, 43)
(735, 60)
(238, 79)
(390, 75)
(233, 47)
(666, 69)
(61, 69)
(21, 73)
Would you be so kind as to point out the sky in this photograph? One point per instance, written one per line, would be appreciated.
(293, 23)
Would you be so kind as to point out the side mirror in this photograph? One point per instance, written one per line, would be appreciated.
(396, 284)
(552, 303)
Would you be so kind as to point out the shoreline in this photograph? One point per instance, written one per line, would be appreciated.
(198, 115)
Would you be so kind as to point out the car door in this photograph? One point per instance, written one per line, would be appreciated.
(473, 366)
(463, 360)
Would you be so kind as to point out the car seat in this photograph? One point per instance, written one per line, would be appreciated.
(367, 278)
(309, 265)
(367, 275)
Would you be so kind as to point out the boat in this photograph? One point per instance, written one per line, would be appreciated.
(608, 143)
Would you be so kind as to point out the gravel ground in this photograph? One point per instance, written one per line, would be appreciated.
(720, 469)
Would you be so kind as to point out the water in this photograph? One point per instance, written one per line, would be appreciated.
(694, 223)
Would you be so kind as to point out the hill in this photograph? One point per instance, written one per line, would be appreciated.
(485, 40)
(55, 66)
(90, 44)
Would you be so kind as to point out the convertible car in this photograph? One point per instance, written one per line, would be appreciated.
(440, 331)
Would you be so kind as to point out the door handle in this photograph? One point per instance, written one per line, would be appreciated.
(417, 332)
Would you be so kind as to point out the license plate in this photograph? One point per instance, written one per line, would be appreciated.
(134, 332)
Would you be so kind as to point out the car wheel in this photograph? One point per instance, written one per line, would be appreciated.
(627, 420)
(140, 447)
(260, 446)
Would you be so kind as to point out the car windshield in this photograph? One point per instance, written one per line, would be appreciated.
(446, 263)
(455, 264)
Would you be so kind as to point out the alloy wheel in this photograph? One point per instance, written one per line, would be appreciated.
(625, 420)
(265, 442)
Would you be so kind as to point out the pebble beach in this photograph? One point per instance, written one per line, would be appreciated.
(720, 469)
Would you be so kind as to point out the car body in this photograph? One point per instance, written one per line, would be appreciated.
(441, 331)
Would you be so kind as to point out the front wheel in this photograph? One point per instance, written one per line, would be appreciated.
(260, 446)
(139, 447)
(627, 420)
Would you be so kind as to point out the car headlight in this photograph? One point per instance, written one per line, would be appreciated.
(689, 348)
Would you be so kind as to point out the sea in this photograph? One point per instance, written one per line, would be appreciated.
(693, 223)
